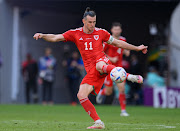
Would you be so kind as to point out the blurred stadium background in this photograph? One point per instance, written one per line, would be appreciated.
(155, 23)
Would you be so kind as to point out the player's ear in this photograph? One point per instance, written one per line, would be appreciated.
(83, 20)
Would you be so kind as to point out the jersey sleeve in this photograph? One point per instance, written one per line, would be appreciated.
(69, 35)
(123, 38)
(107, 37)
(105, 46)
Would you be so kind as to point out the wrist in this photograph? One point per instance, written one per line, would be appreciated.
(136, 49)
(42, 35)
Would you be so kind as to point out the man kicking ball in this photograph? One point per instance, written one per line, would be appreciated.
(88, 40)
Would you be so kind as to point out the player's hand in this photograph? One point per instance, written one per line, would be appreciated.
(38, 36)
(142, 48)
(144, 51)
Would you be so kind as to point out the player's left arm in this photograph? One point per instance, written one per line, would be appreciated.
(125, 45)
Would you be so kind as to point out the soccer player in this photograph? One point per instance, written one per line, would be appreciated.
(89, 41)
(115, 55)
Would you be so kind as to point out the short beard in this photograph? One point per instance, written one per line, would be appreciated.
(90, 30)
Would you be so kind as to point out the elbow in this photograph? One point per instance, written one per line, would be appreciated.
(118, 45)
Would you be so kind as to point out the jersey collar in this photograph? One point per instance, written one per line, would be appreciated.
(88, 33)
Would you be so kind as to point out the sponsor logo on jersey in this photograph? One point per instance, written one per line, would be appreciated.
(81, 38)
(96, 37)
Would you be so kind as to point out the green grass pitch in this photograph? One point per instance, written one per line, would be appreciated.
(69, 118)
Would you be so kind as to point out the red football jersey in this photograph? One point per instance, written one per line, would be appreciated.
(90, 46)
(114, 51)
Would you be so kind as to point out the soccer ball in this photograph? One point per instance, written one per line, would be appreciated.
(118, 74)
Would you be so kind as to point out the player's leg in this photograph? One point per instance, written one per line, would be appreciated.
(102, 67)
(84, 91)
(122, 98)
(107, 90)
(134, 78)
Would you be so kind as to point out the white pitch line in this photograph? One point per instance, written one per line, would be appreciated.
(140, 128)
(166, 126)
(142, 124)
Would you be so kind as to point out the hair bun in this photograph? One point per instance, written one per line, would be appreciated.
(89, 12)
(87, 9)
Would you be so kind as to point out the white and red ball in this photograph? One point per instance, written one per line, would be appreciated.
(118, 74)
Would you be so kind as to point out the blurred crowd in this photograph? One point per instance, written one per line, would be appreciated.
(42, 73)
(74, 70)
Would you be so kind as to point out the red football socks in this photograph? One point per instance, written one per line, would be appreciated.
(127, 75)
(89, 108)
(107, 68)
(122, 101)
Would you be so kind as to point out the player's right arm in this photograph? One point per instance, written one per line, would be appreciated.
(49, 37)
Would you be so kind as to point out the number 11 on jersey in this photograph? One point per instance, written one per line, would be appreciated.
(86, 46)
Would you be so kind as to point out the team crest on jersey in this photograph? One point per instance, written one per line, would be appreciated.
(96, 37)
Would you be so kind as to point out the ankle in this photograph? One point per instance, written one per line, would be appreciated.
(129, 76)
(97, 121)
(123, 110)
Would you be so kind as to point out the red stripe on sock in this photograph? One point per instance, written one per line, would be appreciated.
(83, 100)
(127, 75)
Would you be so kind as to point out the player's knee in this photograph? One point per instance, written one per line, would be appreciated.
(98, 67)
(80, 95)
